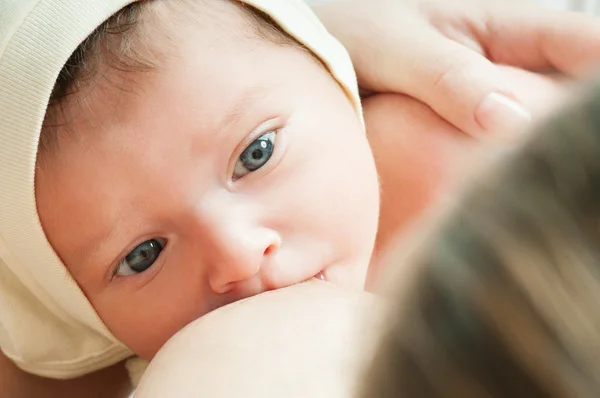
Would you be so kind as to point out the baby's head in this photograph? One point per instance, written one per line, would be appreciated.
(194, 154)
(505, 298)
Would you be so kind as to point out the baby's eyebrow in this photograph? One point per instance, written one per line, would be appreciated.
(86, 253)
(242, 104)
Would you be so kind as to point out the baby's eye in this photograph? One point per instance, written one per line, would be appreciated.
(255, 156)
(141, 258)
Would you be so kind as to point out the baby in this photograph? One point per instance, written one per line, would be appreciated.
(182, 165)
(218, 164)
(190, 154)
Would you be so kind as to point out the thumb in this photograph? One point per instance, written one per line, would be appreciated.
(458, 83)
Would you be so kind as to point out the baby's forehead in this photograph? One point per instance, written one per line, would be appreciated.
(162, 36)
(218, 22)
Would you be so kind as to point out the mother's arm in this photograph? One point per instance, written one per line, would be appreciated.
(307, 340)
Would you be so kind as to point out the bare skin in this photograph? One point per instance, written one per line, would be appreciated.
(259, 338)
(284, 343)
(14, 382)
(435, 157)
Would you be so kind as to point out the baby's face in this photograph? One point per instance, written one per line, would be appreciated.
(238, 166)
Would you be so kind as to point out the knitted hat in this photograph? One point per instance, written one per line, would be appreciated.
(47, 326)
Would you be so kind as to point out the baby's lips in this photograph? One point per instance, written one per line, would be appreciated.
(318, 278)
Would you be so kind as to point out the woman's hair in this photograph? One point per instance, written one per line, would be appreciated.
(122, 43)
(505, 301)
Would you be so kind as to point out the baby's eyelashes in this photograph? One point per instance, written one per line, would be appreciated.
(141, 258)
(255, 156)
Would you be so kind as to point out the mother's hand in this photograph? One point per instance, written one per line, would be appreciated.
(443, 52)
(307, 340)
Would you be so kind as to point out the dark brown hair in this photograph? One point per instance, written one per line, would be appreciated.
(120, 43)
(505, 301)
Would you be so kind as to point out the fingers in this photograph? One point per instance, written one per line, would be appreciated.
(397, 49)
(460, 85)
(538, 38)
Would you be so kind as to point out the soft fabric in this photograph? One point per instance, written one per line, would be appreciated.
(136, 367)
(47, 326)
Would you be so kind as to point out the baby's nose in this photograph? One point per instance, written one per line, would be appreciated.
(240, 254)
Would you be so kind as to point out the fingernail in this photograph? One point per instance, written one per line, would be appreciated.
(501, 116)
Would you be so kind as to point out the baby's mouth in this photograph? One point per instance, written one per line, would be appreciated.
(320, 276)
